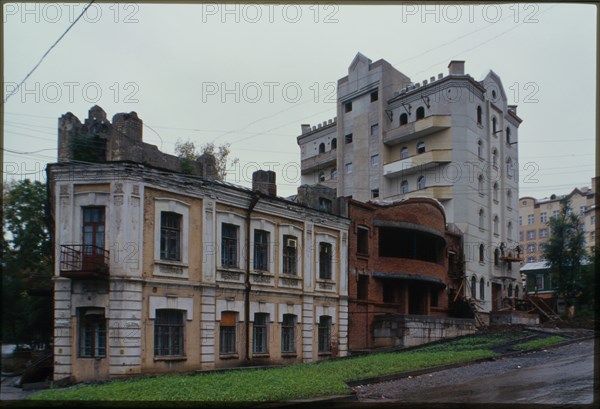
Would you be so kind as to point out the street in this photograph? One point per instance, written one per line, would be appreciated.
(556, 376)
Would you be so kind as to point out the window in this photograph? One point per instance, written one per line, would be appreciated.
(420, 147)
(480, 149)
(509, 230)
(508, 198)
(481, 218)
(480, 185)
(325, 204)
(324, 334)
(363, 287)
(374, 160)
(539, 281)
(494, 125)
(531, 259)
(593, 220)
(325, 261)
(495, 157)
(496, 223)
(530, 234)
(421, 182)
(348, 138)
(556, 213)
(374, 129)
(520, 220)
(168, 333)
(543, 217)
(531, 247)
(288, 334)
(582, 210)
(374, 96)
(404, 186)
(290, 255)
(521, 236)
(478, 115)
(530, 219)
(321, 147)
(495, 192)
(348, 107)
(509, 168)
(260, 333)
(227, 332)
(496, 257)
(92, 333)
(349, 167)
(170, 236)
(229, 245)
(420, 113)
(362, 240)
(321, 176)
(516, 291)
(510, 291)
(261, 250)
(403, 119)
(481, 253)
(334, 143)
(434, 297)
(473, 287)
(507, 135)
(404, 153)
(543, 233)
(333, 174)
(482, 288)
(93, 231)
(374, 193)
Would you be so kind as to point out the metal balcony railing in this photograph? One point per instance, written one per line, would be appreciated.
(83, 261)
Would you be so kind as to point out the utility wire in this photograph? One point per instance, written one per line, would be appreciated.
(14, 91)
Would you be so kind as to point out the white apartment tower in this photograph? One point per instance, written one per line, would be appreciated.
(449, 137)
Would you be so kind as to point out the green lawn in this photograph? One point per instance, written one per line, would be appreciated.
(539, 343)
(279, 384)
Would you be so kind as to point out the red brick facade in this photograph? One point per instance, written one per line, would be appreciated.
(402, 260)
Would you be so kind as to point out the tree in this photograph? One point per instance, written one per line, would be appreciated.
(26, 258)
(565, 252)
(187, 152)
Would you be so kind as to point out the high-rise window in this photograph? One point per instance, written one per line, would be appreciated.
(170, 236)
(325, 250)
(261, 250)
(229, 245)
(290, 254)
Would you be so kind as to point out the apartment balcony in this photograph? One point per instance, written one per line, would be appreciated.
(320, 161)
(417, 129)
(432, 192)
(417, 163)
(82, 261)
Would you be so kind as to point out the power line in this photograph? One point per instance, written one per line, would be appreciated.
(14, 91)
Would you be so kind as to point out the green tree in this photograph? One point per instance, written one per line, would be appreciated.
(26, 262)
(187, 152)
(565, 252)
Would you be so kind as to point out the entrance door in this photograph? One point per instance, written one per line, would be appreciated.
(93, 238)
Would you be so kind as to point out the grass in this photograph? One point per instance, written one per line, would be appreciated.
(325, 378)
(539, 343)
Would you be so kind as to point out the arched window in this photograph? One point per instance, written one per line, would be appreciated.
(510, 291)
(495, 197)
(421, 182)
(322, 148)
(480, 185)
(473, 287)
(420, 113)
(482, 288)
(496, 223)
(509, 232)
(509, 198)
(334, 173)
(494, 125)
(334, 143)
(404, 152)
(495, 157)
(404, 186)
(478, 114)
(509, 168)
(403, 119)
(507, 135)
(480, 149)
(481, 218)
(497, 257)
(321, 176)
(420, 147)
(481, 253)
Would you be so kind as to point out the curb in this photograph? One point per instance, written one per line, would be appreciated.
(424, 371)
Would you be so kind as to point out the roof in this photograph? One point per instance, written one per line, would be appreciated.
(540, 265)
(409, 277)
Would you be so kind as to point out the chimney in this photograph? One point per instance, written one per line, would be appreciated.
(513, 108)
(129, 124)
(305, 128)
(456, 67)
(263, 181)
(208, 166)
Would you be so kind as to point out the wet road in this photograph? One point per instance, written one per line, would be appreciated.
(557, 376)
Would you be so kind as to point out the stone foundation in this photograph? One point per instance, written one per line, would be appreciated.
(514, 318)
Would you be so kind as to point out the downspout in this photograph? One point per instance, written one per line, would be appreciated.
(247, 288)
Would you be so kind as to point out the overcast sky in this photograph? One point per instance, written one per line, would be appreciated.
(250, 75)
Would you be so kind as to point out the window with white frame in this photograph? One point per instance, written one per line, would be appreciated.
(374, 129)
(92, 333)
(421, 183)
(404, 152)
(543, 233)
(530, 219)
(543, 217)
(374, 160)
(530, 234)
(531, 247)
(404, 186)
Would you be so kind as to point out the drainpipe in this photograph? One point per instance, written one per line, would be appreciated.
(253, 201)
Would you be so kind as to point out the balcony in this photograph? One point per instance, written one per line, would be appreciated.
(417, 163)
(432, 192)
(82, 261)
(320, 161)
(417, 129)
